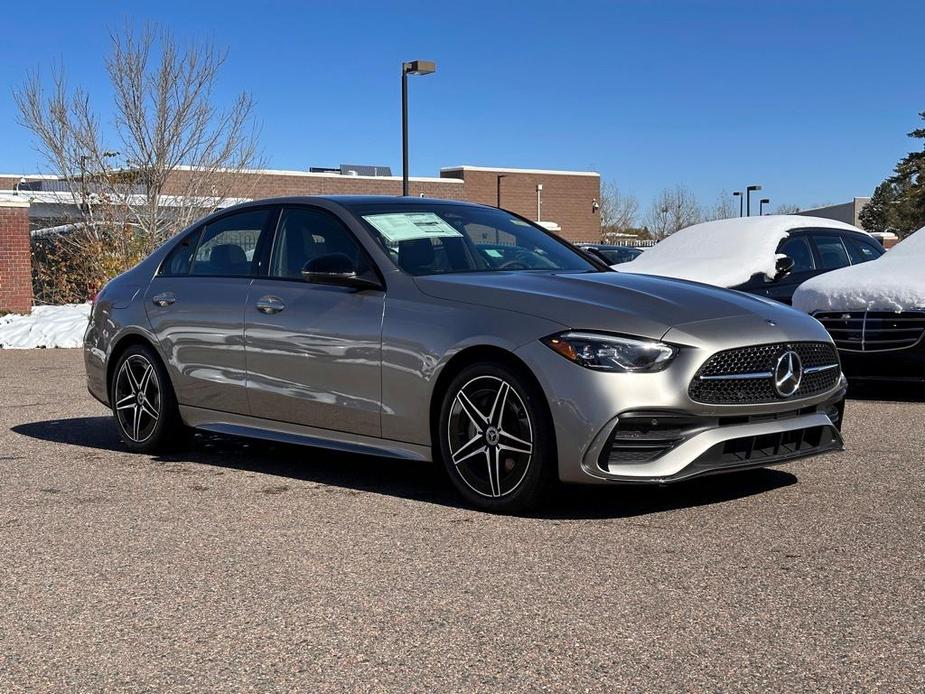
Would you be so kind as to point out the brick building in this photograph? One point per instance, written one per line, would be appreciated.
(564, 201)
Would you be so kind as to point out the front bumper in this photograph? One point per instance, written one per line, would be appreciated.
(588, 407)
(721, 447)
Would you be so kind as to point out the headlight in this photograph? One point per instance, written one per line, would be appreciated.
(604, 352)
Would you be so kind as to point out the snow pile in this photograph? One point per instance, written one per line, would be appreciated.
(46, 326)
(894, 281)
(726, 252)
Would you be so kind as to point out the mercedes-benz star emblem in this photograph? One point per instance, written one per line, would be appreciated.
(788, 373)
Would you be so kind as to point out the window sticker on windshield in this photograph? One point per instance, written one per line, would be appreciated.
(493, 253)
(519, 222)
(405, 226)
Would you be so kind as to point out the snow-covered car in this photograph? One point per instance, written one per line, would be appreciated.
(768, 256)
(875, 313)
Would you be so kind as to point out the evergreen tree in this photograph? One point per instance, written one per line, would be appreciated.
(898, 204)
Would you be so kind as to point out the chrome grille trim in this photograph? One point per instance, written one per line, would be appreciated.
(870, 330)
(818, 369)
(737, 377)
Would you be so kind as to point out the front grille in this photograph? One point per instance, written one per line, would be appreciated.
(746, 375)
(873, 331)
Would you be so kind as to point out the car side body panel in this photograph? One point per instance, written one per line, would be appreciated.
(420, 337)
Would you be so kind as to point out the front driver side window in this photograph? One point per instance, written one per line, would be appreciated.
(307, 233)
(797, 247)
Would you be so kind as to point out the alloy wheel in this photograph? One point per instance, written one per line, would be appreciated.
(137, 398)
(490, 436)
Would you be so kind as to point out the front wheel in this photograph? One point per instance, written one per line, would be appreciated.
(143, 401)
(495, 438)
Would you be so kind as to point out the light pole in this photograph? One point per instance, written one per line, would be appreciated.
(748, 199)
(539, 202)
(761, 204)
(738, 194)
(500, 176)
(413, 67)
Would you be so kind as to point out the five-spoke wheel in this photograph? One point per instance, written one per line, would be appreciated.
(493, 437)
(137, 398)
(143, 401)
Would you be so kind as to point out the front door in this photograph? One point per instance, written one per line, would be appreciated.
(196, 307)
(314, 351)
(798, 248)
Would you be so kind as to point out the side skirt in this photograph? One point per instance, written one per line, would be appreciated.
(298, 434)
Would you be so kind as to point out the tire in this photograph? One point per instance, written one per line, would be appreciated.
(495, 438)
(149, 422)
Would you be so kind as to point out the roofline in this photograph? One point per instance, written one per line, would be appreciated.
(32, 176)
(545, 172)
(326, 174)
(852, 201)
(262, 172)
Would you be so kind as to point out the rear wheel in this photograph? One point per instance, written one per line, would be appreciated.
(143, 401)
(495, 438)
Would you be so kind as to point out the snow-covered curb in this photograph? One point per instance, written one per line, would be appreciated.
(46, 326)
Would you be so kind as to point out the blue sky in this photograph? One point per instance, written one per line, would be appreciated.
(810, 99)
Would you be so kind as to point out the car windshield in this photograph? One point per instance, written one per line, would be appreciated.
(447, 238)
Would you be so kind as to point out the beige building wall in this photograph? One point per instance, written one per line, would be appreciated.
(847, 212)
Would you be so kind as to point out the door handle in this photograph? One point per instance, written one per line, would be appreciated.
(270, 304)
(163, 299)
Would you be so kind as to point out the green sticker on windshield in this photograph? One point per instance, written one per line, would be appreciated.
(407, 226)
(519, 222)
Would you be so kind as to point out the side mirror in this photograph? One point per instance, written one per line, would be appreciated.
(336, 269)
(784, 267)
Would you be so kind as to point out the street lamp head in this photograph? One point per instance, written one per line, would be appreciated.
(737, 193)
(764, 201)
(419, 67)
(751, 188)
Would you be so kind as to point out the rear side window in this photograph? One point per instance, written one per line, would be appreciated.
(797, 247)
(832, 253)
(181, 257)
(229, 245)
(861, 250)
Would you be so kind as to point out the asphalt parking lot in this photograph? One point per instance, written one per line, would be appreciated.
(253, 567)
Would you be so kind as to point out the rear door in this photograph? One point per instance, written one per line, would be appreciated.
(314, 351)
(196, 303)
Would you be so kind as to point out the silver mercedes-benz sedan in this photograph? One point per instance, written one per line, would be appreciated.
(439, 330)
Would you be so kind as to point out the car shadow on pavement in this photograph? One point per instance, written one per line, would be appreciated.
(408, 479)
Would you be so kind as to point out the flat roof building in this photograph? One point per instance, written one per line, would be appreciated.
(565, 201)
(847, 212)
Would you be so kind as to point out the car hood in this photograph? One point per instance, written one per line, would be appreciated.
(641, 305)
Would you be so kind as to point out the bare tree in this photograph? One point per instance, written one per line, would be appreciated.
(786, 208)
(618, 210)
(170, 155)
(673, 208)
(723, 208)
